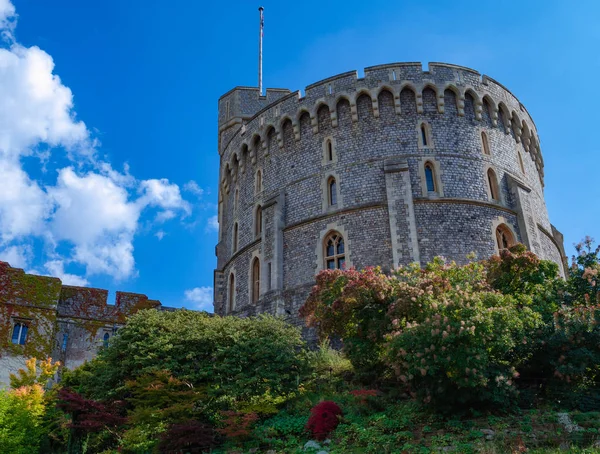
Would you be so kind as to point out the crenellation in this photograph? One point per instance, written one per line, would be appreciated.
(66, 323)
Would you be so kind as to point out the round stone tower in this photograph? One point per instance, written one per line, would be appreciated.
(397, 167)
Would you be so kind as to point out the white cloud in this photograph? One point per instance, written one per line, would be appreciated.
(202, 297)
(94, 214)
(23, 204)
(192, 187)
(91, 213)
(213, 224)
(8, 20)
(36, 107)
(56, 268)
(17, 256)
(160, 234)
(162, 194)
(90, 206)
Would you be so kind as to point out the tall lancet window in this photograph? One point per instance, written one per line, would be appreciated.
(255, 281)
(430, 177)
(332, 191)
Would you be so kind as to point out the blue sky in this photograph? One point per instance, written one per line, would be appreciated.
(108, 115)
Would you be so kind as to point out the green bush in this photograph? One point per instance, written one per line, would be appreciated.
(235, 359)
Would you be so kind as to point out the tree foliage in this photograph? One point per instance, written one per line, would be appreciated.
(233, 358)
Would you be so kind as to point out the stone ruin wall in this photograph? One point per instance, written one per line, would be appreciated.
(64, 322)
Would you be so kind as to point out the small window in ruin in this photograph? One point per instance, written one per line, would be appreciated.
(19, 335)
(65, 342)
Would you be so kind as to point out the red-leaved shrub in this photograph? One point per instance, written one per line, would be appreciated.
(189, 436)
(237, 424)
(363, 394)
(324, 418)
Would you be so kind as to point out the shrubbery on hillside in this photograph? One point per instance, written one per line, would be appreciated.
(422, 348)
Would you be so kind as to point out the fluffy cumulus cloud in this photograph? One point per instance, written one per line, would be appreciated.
(91, 212)
(201, 297)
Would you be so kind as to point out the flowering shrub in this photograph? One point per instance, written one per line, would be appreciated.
(352, 305)
(576, 343)
(324, 418)
(455, 339)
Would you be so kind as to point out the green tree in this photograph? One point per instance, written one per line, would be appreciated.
(21, 413)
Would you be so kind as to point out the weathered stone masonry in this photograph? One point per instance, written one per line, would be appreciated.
(66, 323)
(410, 153)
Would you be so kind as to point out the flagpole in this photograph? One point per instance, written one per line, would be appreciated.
(260, 51)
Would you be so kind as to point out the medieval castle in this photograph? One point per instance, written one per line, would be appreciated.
(396, 167)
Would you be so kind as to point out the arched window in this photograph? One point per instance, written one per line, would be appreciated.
(485, 143)
(231, 296)
(255, 291)
(332, 191)
(258, 221)
(335, 252)
(258, 184)
(504, 238)
(424, 138)
(234, 245)
(329, 150)
(493, 184)
(521, 163)
(430, 177)
(105, 339)
(19, 334)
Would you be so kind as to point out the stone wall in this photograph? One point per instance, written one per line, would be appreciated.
(384, 209)
(66, 323)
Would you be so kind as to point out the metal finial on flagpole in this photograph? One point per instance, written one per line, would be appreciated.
(260, 46)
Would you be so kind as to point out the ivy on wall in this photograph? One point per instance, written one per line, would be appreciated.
(41, 302)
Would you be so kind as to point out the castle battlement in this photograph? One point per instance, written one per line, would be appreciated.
(248, 118)
(67, 323)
